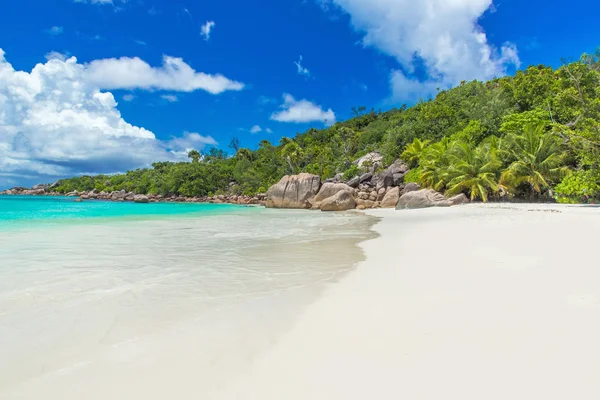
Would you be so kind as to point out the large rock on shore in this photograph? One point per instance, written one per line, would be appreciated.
(294, 191)
(329, 190)
(410, 187)
(140, 198)
(391, 198)
(459, 199)
(384, 180)
(422, 199)
(341, 201)
(428, 198)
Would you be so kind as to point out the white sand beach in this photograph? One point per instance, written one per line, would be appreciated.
(473, 302)
(469, 303)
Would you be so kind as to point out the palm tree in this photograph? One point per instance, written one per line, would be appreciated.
(537, 160)
(413, 151)
(473, 170)
(284, 140)
(434, 165)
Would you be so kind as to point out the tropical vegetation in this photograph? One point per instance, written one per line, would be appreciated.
(533, 136)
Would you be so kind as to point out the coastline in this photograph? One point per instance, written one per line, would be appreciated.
(470, 302)
(130, 197)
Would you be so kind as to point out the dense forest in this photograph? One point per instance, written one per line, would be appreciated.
(532, 136)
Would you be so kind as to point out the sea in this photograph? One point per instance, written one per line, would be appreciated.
(104, 300)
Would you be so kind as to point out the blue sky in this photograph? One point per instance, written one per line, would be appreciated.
(154, 78)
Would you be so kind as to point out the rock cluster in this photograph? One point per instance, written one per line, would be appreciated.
(374, 189)
(151, 198)
(123, 196)
(34, 191)
(385, 189)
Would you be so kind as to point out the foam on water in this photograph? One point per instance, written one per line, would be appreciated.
(174, 303)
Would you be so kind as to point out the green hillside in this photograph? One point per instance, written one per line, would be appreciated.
(534, 136)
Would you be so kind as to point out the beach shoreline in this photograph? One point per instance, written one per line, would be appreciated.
(164, 306)
(470, 302)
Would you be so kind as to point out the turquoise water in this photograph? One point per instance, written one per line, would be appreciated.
(16, 210)
(103, 300)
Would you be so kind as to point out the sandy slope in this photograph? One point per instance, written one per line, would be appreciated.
(473, 302)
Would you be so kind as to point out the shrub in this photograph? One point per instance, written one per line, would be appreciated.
(412, 175)
(351, 172)
(579, 187)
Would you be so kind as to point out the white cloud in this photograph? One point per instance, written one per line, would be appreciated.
(55, 55)
(302, 70)
(301, 111)
(174, 74)
(442, 36)
(171, 98)
(206, 29)
(268, 130)
(409, 89)
(255, 129)
(55, 122)
(140, 42)
(56, 30)
(190, 141)
(128, 97)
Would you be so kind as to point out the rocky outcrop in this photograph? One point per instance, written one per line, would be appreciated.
(428, 198)
(354, 182)
(341, 201)
(398, 167)
(40, 186)
(329, 190)
(410, 187)
(365, 178)
(294, 191)
(372, 160)
(384, 180)
(422, 199)
(391, 198)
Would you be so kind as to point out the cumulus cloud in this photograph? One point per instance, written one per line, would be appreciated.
(206, 29)
(55, 55)
(302, 111)
(55, 122)
(174, 74)
(255, 129)
(442, 36)
(301, 69)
